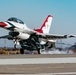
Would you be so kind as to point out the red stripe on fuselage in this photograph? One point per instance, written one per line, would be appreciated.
(38, 30)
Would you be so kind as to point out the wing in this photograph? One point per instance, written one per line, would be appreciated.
(7, 36)
(53, 36)
(50, 36)
(56, 36)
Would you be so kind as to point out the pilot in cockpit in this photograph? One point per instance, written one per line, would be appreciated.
(15, 20)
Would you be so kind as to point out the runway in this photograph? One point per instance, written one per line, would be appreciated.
(38, 64)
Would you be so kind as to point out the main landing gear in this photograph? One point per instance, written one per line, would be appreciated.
(30, 44)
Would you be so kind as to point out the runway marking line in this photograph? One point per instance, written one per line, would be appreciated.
(64, 73)
(37, 60)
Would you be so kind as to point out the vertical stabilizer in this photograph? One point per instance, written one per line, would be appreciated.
(45, 28)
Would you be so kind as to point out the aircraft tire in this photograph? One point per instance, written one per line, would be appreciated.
(21, 51)
(38, 50)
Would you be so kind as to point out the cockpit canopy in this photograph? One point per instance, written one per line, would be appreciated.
(15, 20)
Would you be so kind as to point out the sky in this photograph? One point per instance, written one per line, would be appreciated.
(34, 12)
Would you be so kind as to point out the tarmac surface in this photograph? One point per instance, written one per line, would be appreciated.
(11, 56)
(38, 69)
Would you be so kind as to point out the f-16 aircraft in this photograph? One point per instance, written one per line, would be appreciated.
(30, 39)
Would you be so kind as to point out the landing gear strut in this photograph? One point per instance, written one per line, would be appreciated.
(22, 51)
(15, 46)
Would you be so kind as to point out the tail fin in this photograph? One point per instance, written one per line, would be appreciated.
(45, 28)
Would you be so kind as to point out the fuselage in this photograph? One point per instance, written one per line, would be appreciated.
(19, 30)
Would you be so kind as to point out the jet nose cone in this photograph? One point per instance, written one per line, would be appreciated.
(2, 24)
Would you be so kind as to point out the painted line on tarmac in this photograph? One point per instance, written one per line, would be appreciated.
(64, 73)
(37, 61)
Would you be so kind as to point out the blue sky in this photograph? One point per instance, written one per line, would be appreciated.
(34, 12)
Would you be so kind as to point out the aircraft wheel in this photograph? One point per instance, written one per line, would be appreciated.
(21, 51)
(38, 50)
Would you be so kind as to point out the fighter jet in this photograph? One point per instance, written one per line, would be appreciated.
(30, 39)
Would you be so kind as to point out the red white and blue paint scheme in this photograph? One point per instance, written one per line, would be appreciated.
(30, 38)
